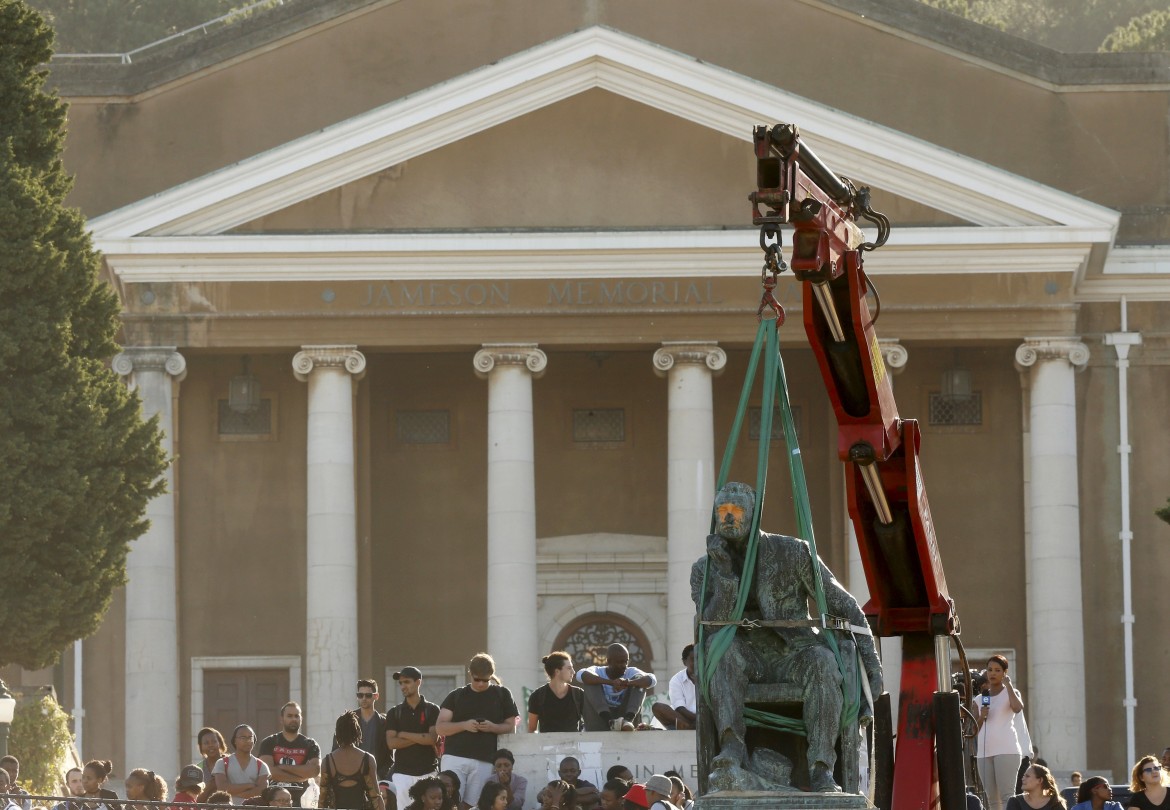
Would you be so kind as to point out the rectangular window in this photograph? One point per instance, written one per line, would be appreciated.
(951, 411)
(257, 423)
(604, 425)
(424, 427)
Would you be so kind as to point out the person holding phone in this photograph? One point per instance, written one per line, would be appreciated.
(999, 754)
(470, 721)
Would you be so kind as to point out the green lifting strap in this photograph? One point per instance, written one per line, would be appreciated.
(775, 383)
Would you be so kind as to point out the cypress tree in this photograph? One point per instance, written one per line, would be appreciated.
(77, 463)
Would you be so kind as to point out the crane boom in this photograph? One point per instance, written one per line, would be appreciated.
(885, 485)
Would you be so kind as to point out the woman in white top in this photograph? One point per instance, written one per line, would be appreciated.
(999, 754)
(241, 774)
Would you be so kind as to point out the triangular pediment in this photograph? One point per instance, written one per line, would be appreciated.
(595, 160)
(701, 95)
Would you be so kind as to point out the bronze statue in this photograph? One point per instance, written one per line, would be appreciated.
(782, 647)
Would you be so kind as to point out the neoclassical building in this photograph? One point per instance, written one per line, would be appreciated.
(445, 308)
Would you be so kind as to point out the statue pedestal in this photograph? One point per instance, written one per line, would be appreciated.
(780, 800)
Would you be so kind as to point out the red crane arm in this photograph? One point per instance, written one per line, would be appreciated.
(884, 480)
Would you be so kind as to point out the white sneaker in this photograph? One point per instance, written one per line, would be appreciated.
(616, 724)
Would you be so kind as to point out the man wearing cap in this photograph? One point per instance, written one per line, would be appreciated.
(635, 797)
(658, 790)
(189, 785)
(410, 732)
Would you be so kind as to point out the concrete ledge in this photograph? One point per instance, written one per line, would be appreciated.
(643, 752)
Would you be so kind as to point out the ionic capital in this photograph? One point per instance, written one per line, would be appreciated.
(894, 355)
(689, 352)
(509, 354)
(345, 357)
(1034, 350)
(139, 359)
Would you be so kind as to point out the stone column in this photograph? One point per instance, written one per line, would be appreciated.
(690, 475)
(331, 609)
(513, 639)
(1056, 629)
(152, 636)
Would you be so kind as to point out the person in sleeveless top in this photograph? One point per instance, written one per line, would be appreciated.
(999, 753)
(349, 775)
(1148, 783)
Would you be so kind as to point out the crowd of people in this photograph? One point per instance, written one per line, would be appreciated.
(423, 756)
(1014, 777)
(416, 756)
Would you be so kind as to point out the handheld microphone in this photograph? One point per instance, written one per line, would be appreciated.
(986, 697)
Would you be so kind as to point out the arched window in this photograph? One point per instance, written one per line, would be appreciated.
(587, 637)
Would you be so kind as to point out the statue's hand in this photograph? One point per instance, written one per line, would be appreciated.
(720, 557)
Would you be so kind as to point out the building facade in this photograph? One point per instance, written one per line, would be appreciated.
(490, 267)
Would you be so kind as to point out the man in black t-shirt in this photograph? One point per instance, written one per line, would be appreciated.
(292, 757)
(410, 732)
(470, 720)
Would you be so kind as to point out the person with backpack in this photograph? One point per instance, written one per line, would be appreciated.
(240, 774)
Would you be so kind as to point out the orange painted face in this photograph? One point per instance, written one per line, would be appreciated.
(731, 520)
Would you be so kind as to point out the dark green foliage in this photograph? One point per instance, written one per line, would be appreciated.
(1164, 512)
(1068, 26)
(77, 466)
(1149, 32)
(116, 26)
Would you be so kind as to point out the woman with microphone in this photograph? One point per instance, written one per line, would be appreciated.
(999, 754)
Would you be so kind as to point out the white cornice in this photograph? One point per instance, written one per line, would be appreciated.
(570, 254)
(1140, 273)
(596, 58)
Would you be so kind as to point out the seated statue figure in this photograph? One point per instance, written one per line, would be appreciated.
(770, 652)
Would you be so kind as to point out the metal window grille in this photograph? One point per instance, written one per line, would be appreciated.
(256, 423)
(754, 415)
(950, 411)
(424, 427)
(599, 424)
(588, 644)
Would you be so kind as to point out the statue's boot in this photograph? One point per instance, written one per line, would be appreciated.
(732, 752)
(821, 779)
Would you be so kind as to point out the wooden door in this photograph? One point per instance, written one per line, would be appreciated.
(252, 696)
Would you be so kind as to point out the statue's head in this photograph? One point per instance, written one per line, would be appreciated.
(735, 504)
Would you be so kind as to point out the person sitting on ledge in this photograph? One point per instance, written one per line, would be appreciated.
(614, 691)
(679, 713)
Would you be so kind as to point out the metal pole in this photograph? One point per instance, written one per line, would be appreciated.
(1121, 342)
(942, 662)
